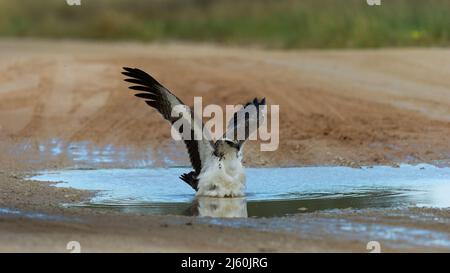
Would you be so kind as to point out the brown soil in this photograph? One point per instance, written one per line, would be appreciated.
(336, 107)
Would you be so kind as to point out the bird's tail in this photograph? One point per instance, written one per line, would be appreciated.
(190, 179)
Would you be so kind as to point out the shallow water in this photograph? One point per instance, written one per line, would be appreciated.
(270, 191)
(84, 154)
(10, 212)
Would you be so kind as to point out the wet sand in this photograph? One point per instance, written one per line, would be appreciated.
(347, 108)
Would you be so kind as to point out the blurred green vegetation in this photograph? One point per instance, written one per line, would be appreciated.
(270, 23)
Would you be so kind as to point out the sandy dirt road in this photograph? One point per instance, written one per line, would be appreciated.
(336, 107)
(347, 108)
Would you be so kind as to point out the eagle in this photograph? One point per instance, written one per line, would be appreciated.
(217, 165)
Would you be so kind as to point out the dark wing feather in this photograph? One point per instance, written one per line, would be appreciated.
(156, 95)
(243, 119)
(160, 98)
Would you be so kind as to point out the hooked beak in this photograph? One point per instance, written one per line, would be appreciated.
(237, 145)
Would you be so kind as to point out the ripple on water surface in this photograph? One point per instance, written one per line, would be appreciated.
(270, 191)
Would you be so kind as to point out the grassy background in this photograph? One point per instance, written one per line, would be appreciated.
(269, 23)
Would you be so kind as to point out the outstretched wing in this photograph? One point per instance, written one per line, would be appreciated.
(158, 97)
(246, 121)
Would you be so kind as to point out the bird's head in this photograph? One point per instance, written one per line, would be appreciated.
(232, 144)
(225, 146)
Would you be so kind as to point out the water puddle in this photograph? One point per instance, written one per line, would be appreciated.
(9, 212)
(270, 191)
(85, 154)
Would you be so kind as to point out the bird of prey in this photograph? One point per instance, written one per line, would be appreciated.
(217, 165)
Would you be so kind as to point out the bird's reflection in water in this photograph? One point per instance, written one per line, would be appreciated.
(219, 207)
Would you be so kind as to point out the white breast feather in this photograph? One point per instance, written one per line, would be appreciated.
(222, 178)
